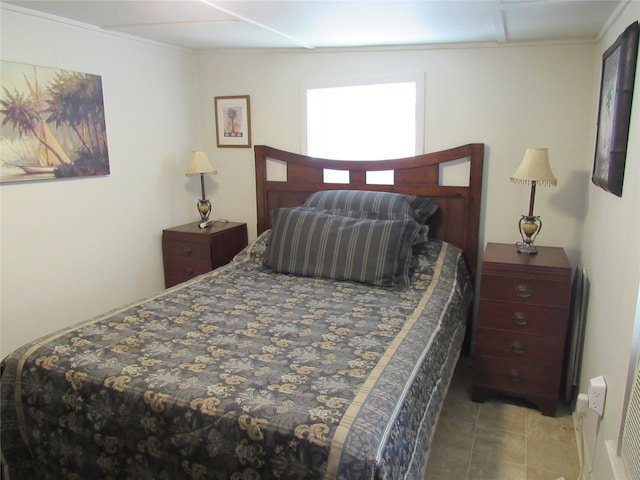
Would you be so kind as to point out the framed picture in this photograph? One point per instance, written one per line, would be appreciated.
(233, 121)
(614, 111)
(53, 124)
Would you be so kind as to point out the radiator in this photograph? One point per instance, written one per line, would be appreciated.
(630, 451)
(575, 334)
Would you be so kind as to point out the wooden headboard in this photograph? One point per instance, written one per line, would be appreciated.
(457, 220)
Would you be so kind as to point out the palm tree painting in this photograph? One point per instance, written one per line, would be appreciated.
(52, 124)
(233, 121)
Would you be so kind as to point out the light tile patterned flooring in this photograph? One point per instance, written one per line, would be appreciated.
(501, 439)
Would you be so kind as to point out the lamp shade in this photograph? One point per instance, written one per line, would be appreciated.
(200, 164)
(535, 168)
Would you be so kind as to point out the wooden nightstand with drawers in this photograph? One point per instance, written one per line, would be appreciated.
(522, 325)
(188, 250)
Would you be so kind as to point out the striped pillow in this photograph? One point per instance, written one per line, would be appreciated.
(317, 244)
(420, 239)
(384, 204)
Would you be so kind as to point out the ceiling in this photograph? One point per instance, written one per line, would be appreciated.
(210, 24)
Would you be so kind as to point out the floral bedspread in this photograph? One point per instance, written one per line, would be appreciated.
(242, 374)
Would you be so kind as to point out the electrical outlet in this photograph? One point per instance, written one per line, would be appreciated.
(597, 394)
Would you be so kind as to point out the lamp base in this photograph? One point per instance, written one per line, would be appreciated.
(204, 208)
(526, 248)
(529, 227)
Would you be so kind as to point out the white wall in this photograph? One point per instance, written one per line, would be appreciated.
(71, 249)
(510, 98)
(612, 256)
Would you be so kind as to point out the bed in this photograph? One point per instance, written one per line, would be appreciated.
(273, 366)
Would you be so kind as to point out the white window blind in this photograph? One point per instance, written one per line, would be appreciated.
(631, 435)
(628, 445)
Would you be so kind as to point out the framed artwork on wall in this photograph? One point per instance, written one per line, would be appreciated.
(53, 124)
(233, 121)
(614, 111)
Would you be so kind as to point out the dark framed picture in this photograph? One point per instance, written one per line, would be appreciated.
(233, 121)
(614, 111)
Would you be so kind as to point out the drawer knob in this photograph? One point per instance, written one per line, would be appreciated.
(523, 290)
(515, 376)
(186, 251)
(520, 318)
(517, 348)
(188, 270)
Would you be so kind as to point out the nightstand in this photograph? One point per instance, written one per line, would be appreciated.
(522, 325)
(188, 250)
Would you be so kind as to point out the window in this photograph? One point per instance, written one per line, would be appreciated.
(371, 121)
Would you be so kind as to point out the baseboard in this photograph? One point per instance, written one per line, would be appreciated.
(617, 465)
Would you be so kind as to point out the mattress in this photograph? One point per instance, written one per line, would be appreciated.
(242, 373)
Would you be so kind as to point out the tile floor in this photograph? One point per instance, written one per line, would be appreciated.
(501, 439)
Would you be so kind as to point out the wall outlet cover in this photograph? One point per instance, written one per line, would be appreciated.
(597, 394)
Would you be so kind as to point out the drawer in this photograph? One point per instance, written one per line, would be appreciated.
(525, 290)
(529, 349)
(186, 250)
(516, 377)
(522, 318)
(177, 270)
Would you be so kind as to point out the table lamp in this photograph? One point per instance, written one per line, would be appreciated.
(200, 165)
(533, 170)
